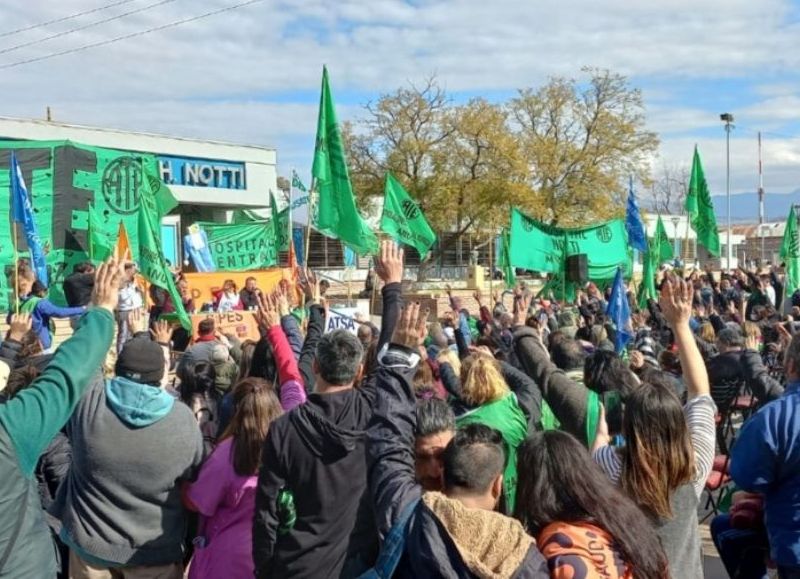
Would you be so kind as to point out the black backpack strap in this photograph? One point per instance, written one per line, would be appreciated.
(17, 526)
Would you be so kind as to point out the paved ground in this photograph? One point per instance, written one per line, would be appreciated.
(712, 566)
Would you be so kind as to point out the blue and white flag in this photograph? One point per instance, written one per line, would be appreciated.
(22, 212)
(637, 237)
(619, 310)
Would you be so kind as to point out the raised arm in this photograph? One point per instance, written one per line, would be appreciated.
(292, 392)
(390, 436)
(48, 308)
(389, 267)
(34, 416)
(676, 305)
(289, 324)
(527, 392)
(316, 327)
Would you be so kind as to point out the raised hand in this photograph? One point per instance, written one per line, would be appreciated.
(267, 315)
(308, 283)
(19, 326)
(521, 305)
(161, 332)
(106, 285)
(389, 263)
(411, 328)
(636, 360)
(137, 320)
(676, 301)
(282, 301)
(477, 296)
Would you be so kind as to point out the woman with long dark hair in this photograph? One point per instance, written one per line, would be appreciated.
(669, 449)
(584, 526)
(197, 391)
(224, 493)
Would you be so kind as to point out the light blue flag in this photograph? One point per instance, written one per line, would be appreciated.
(349, 256)
(619, 310)
(637, 238)
(22, 212)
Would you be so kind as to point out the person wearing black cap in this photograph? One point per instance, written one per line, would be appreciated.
(133, 445)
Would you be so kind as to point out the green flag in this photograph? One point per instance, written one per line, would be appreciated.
(152, 264)
(504, 263)
(297, 183)
(280, 224)
(337, 215)
(647, 290)
(403, 220)
(661, 246)
(701, 209)
(242, 216)
(790, 254)
(545, 248)
(100, 242)
(242, 246)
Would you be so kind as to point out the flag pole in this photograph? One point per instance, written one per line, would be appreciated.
(307, 245)
(289, 225)
(16, 269)
(89, 230)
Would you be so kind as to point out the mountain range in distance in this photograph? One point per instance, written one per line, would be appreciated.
(744, 206)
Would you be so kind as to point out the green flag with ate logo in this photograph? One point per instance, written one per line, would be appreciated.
(152, 264)
(701, 209)
(403, 220)
(790, 254)
(545, 248)
(100, 242)
(337, 215)
(661, 246)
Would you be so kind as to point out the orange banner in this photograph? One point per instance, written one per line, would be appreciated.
(203, 285)
(242, 324)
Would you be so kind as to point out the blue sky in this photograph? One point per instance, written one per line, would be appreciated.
(252, 75)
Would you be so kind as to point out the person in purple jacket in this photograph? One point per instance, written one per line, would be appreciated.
(40, 308)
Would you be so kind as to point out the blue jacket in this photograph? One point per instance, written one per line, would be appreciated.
(766, 459)
(40, 317)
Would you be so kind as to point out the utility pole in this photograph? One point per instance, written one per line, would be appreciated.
(727, 118)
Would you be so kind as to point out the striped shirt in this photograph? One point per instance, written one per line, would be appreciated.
(699, 412)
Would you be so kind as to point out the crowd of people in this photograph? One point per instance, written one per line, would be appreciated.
(510, 441)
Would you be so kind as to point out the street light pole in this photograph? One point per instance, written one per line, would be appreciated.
(727, 118)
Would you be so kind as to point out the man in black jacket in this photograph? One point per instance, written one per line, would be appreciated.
(317, 451)
(736, 366)
(452, 534)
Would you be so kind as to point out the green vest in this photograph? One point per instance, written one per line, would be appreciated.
(29, 305)
(550, 422)
(506, 416)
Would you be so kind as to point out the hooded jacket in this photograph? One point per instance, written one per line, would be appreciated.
(132, 445)
(28, 424)
(443, 538)
(316, 451)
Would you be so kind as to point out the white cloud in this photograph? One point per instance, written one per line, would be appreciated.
(781, 158)
(222, 77)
